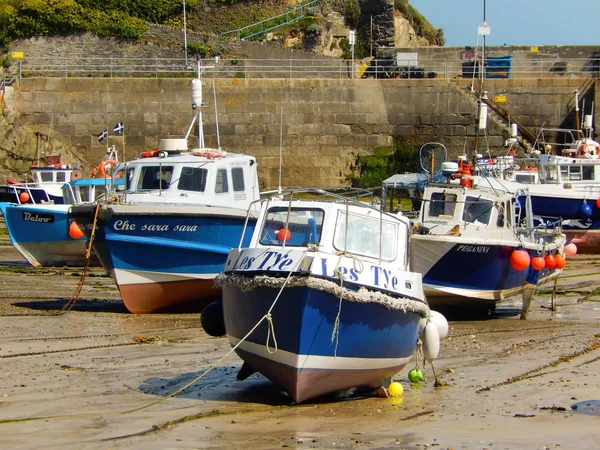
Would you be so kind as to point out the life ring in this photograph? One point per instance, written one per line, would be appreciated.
(583, 149)
(101, 169)
(208, 153)
(150, 153)
(530, 169)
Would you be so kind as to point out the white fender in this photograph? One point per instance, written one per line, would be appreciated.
(431, 341)
(422, 323)
(440, 322)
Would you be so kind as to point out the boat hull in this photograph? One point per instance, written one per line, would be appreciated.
(308, 355)
(41, 235)
(474, 274)
(166, 259)
(582, 230)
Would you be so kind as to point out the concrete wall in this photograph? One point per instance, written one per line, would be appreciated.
(327, 124)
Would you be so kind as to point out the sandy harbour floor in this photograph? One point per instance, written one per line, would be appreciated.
(98, 377)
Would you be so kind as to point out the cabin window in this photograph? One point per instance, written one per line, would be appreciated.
(571, 173)
(526, 178)
(155, 177)
(368, 236)
(46, 177)
(84, 193)
(477, 210)
(502, 213)
(237, 176)
(551, 174)
(192, 179)
(61, 176)
(442, 205)
(304, 226)
(221, 184)
(588, 172)
(129, 177)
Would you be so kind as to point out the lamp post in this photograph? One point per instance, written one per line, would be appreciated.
(184, 35)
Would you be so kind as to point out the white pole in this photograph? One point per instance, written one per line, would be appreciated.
(352, 40)
(200, 124)
(185, 35)
(280, 146)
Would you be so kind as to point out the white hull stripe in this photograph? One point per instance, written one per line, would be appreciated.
(125, 277)
(317, 362)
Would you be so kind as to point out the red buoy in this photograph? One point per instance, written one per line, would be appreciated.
(24, 197)
(519, 260)
(560, 261)
(74, 231)
(550, 262)
(538, 263)
(284, 235)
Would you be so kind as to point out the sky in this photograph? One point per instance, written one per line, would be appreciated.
(515, 22)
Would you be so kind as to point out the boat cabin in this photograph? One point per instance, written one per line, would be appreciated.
(333, 227)
(90, 190)
(215, 179)
(455, 209)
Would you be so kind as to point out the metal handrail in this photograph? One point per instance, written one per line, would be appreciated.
(261, 25)
(72, 66)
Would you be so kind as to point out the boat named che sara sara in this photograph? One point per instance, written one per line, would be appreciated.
(166, 236)
(322, 299)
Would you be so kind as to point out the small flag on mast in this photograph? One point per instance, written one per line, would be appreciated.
(102, 135)
(119, 128)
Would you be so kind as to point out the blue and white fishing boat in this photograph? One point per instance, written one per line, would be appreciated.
(167, 236)
(45, 235)
(562, 173)
(322, 299)
(44, 183)
(476, 244)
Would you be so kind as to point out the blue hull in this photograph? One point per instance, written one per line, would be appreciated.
(475, 275)
(371, 342)
(41, 235)
(166, 260)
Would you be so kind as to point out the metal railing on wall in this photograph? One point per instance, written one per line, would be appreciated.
(295, 68)
(264, 26)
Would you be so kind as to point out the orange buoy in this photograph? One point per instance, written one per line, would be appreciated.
(519, 260)
(570, 249)
(538, 263)
(550, 262)
(284, 235)
(74, 231)
(560, 261)
(598, 202)
(24, 197)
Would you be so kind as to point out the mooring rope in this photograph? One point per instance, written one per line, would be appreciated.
(88, 256)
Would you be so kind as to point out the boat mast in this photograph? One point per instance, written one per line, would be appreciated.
(480, 121)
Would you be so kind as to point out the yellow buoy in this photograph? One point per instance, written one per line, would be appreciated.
(395, 389)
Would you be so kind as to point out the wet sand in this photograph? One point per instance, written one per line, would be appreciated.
(99, 377)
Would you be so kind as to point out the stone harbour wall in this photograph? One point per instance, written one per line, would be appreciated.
(319, 126)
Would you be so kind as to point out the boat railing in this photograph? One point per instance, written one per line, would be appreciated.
(25, 188)
(346, 196)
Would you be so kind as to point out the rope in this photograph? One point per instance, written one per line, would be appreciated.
(271, 329)
(88, 255)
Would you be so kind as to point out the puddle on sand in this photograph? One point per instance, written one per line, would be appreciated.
(591, 407)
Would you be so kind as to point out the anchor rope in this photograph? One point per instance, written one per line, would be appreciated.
(88, 256)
